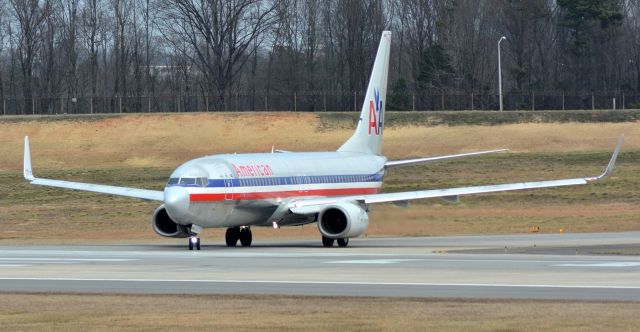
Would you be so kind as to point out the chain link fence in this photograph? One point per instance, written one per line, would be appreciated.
(317, 102)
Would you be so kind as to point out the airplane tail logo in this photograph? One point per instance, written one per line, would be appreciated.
(375, 114)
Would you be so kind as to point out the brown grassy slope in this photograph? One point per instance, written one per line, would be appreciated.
(167, 140)
(61, 312)
(141, 151)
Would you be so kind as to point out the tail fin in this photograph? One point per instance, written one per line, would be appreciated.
(368, 135)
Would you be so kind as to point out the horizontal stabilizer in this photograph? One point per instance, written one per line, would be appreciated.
(419, 161)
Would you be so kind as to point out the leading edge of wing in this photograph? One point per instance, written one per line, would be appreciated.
(313, 205)
(152, 195)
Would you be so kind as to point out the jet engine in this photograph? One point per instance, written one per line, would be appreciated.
(343, 220)
(165, 226)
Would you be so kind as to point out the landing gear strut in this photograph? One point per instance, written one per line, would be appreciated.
(194, 240)
(238, 233)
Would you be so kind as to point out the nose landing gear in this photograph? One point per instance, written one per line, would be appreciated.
(194, 240)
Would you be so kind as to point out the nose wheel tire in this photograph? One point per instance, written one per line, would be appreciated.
(245, 237)
(232, 236)
(327, 242)
(343, 242)
(194, 243)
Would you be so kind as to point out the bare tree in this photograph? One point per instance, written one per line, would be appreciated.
(30, 15)
(91, 25)
(3, 41)
(220, 33)
(69, 22)
(121, 13)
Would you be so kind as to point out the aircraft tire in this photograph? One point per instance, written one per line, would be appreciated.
(232, 236)
(198, 244)
(343, 242)
(190, 245)
(327, 242)
(245, 237)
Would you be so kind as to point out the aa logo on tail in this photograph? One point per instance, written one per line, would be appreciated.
(375, 114)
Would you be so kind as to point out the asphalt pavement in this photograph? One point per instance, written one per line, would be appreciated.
(532, 266)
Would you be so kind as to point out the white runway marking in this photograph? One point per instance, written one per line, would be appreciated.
(68, 259)
(11, 265)
(612, 264)
(374, 261)
(234, 281)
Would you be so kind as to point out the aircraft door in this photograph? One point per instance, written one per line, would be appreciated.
(303, 184)
(228, 188)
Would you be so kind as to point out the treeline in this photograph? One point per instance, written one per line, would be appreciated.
(217, 54)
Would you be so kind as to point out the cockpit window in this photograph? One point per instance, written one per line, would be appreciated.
(202, 182)
(186, 181)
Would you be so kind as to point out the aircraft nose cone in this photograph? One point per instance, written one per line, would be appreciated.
(176, 201)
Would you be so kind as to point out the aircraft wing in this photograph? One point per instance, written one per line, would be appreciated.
(151, 195)
(413, 162)
(315, 205)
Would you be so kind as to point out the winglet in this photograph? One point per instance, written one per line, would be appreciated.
(28, 174)
(612, 162)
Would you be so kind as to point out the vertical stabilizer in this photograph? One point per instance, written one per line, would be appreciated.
(368, 135)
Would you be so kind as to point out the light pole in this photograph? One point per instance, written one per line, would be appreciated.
(500, 72)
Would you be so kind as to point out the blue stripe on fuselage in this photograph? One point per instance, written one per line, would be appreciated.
(289, 180)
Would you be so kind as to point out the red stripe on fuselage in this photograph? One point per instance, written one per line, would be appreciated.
(252, 196)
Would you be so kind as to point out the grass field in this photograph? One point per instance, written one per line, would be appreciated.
(40, 312)
(141, 151)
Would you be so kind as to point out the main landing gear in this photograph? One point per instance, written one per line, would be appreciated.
(238, 233)
(327, 242)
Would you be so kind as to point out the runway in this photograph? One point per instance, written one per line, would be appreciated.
(559, 266)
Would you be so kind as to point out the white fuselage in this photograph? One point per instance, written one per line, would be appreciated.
(248, 189)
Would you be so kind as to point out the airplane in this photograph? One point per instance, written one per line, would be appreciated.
(282, 188)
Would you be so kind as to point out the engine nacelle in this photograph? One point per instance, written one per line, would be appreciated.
(165, 226)
(343, 220)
